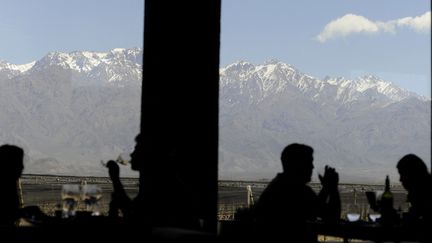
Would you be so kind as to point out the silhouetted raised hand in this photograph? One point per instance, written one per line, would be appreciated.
(330, 179)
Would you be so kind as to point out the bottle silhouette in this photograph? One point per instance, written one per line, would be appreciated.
(388, 213)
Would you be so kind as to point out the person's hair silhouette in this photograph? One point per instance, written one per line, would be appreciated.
(11, 170)
(297, 162)
(288, 202)
(416, 179)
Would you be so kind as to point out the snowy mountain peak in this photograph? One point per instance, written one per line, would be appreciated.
(368, 82)
(55, 59)
(25, 67)
(239, 68)
(9, 70)
(274, 76)
(87, 61)
(239, 65)
(268, 70)
(20, 68)
(118, 66)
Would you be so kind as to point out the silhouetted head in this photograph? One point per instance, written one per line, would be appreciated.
(12, 165)
(137, 155)
(412, 171)
(297, 161)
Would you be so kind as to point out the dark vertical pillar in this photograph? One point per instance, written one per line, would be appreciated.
(180, 111)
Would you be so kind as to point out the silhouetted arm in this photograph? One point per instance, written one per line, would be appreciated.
(119, 199)
(329, 195)
(114, 174)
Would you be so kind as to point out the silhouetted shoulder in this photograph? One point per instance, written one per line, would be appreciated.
(12, 165)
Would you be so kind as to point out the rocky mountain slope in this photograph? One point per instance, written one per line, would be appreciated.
(362, 126)
(71, 110)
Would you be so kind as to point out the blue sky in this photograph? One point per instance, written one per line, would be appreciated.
(377, 38)
(252, 30)
(30, 29)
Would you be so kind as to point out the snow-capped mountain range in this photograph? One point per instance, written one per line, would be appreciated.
(275, 77)
(71, 110)
(116, 66)
(361, 126)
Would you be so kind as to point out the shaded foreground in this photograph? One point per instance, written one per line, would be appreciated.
(233, 195)
(45, 190)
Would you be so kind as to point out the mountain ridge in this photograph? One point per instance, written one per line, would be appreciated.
(274, 71)
(354, 125)
(114, 64)
(71, 110)
(67, 119)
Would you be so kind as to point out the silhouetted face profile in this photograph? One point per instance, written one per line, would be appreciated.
(297, 161)
(12, 165)
(412, 171)
(137, 155)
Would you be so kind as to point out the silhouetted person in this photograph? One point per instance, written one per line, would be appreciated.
(138, 212)
(130, 208)
(11, 169)
(416, 179)
(288, 202)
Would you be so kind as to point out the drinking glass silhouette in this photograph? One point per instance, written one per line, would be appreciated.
(123, 158)
(373, 216)
(70, 196)
(91, 194)
(373, 200)
(353, 213)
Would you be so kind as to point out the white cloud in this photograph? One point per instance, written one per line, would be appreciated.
(420, 23)
(356, 24)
